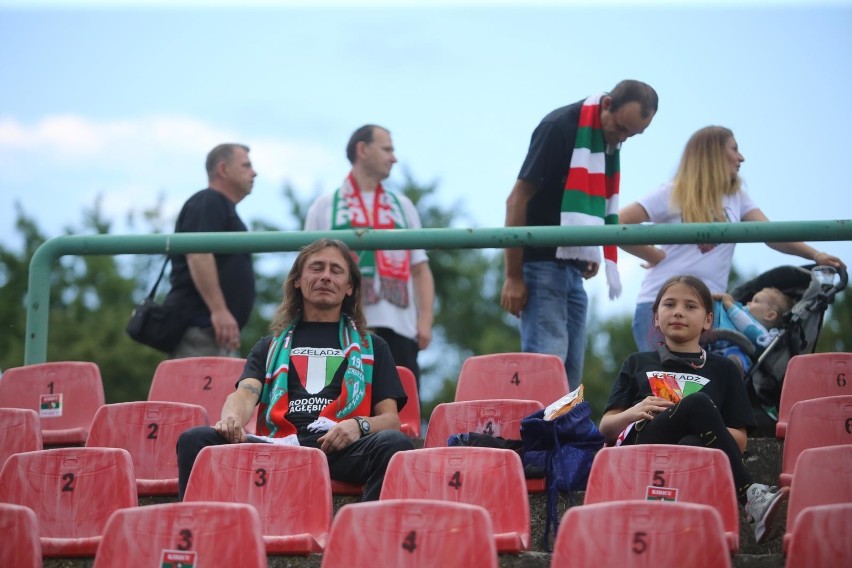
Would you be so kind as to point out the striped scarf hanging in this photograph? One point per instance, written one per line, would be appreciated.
(591, 190)
(355, 391)
(384, 273)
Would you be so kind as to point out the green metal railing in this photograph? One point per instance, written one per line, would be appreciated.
(45, 257)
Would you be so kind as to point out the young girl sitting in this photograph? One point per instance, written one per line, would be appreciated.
(714, 410)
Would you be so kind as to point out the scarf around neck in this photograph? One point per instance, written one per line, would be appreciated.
(392, 267)
(355, 390)
(590, 197)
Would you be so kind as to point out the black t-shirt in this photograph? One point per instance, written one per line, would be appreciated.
(546, 165)
(719, 379)
(209, 211)
(316, 371)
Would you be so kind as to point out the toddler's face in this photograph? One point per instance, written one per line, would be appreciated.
(762, 306)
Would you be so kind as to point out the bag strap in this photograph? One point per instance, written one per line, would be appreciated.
(159, 278)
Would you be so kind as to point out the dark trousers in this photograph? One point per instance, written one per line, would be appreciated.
(362, 463)
(695, 421)
(403, 349)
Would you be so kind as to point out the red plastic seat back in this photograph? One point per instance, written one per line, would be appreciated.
(497, 417)
(813, 424)
(65, 395)
(814, 375)
(683, 474)
(489, 477)
(410, 413)
(414, 533)
(525, 376)
(72, 491)
(206, 381)
(19, 541)
(194, 534)
(149, 431)
(20, 431)
(289, 486)
(823, 476)
(820, 537)
(641, 533)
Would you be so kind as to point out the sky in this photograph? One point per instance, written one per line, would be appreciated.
(121, 100)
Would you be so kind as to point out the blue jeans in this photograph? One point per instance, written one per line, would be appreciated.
(554, 319)
(645, 333)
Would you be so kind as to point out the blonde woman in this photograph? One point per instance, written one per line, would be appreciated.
(706, 189)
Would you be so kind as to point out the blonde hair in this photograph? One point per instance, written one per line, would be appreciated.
(703, 177)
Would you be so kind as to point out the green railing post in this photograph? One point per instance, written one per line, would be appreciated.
(38, 295)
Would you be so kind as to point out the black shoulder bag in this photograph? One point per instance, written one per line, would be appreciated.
(156, 325)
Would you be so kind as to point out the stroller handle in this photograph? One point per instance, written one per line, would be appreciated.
(844, 278)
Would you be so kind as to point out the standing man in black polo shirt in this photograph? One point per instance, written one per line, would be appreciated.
(214, 292)
(570, 178)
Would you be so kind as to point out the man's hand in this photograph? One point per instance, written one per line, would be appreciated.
(514, 295)
(591, 269)
(341, 435)
(424, 335)
(226, 329)
(230, 429)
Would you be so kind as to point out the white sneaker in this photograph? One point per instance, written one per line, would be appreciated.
(761, 507)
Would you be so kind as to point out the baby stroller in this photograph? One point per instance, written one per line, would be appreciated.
(798, 333)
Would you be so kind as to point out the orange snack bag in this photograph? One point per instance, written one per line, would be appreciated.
(664, 385)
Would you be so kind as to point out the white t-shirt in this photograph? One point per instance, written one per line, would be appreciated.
(711, 263)
(383, 314)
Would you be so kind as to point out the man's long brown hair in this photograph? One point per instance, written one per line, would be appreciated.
(292, 307)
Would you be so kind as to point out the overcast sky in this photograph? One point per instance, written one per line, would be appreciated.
(123, 100)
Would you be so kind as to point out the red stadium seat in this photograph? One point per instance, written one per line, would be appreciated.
(414, 533)
(823, 476)
(410, 413)
(289, 486)
(72, 491)
(814, 424)
(199, 380)
(183, 534)
(19, 542)
(149, 431)
(20, 431)
(641, 533)
(65, 394)
(488, 477)
(820, 537)
(814, 375)
(526, 376)
(685, 474)
(497, 417)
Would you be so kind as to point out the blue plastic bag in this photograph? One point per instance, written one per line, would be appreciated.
(563, 449)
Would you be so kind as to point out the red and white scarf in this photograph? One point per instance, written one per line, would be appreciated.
(591, 190)
(392, 268)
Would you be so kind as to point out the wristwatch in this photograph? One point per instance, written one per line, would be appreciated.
(363, 425)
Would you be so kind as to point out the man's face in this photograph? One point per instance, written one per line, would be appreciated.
(239, 172)
(627, 121)
(377, 157)
(325, 281)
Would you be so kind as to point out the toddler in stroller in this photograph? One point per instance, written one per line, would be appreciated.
(812, 289)
(759, 320)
